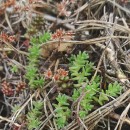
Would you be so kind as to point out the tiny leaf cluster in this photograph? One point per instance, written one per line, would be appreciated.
(62, 110)
(80, 68)
(114, 89)
(33, 116)
(86, 93)
(32, 75)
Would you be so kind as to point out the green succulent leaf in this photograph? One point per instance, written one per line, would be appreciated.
(33, 116)
(82, 114)
(76, 94)
(114, 89)
(62, 111)
(102, 98)
(32, 75)
(44, 38)
(80, 68)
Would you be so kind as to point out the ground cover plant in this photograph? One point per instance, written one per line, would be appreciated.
(64, 64)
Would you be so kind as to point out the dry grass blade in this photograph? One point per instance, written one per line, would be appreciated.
(122, 118)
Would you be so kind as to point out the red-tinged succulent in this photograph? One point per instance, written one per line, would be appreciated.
(58, 34)
(7, 89)
(62, 72)
(48, 74)
(7, 38)
(56, 77)
(61, 34)
(20, 86)
(4, 36)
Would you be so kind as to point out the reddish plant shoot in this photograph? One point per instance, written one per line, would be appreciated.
(59, 74)
(56, 77)
(48, 74)
(62, 35)
(7, 38)
(7, 89)
(21, 86)
(62, 72)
